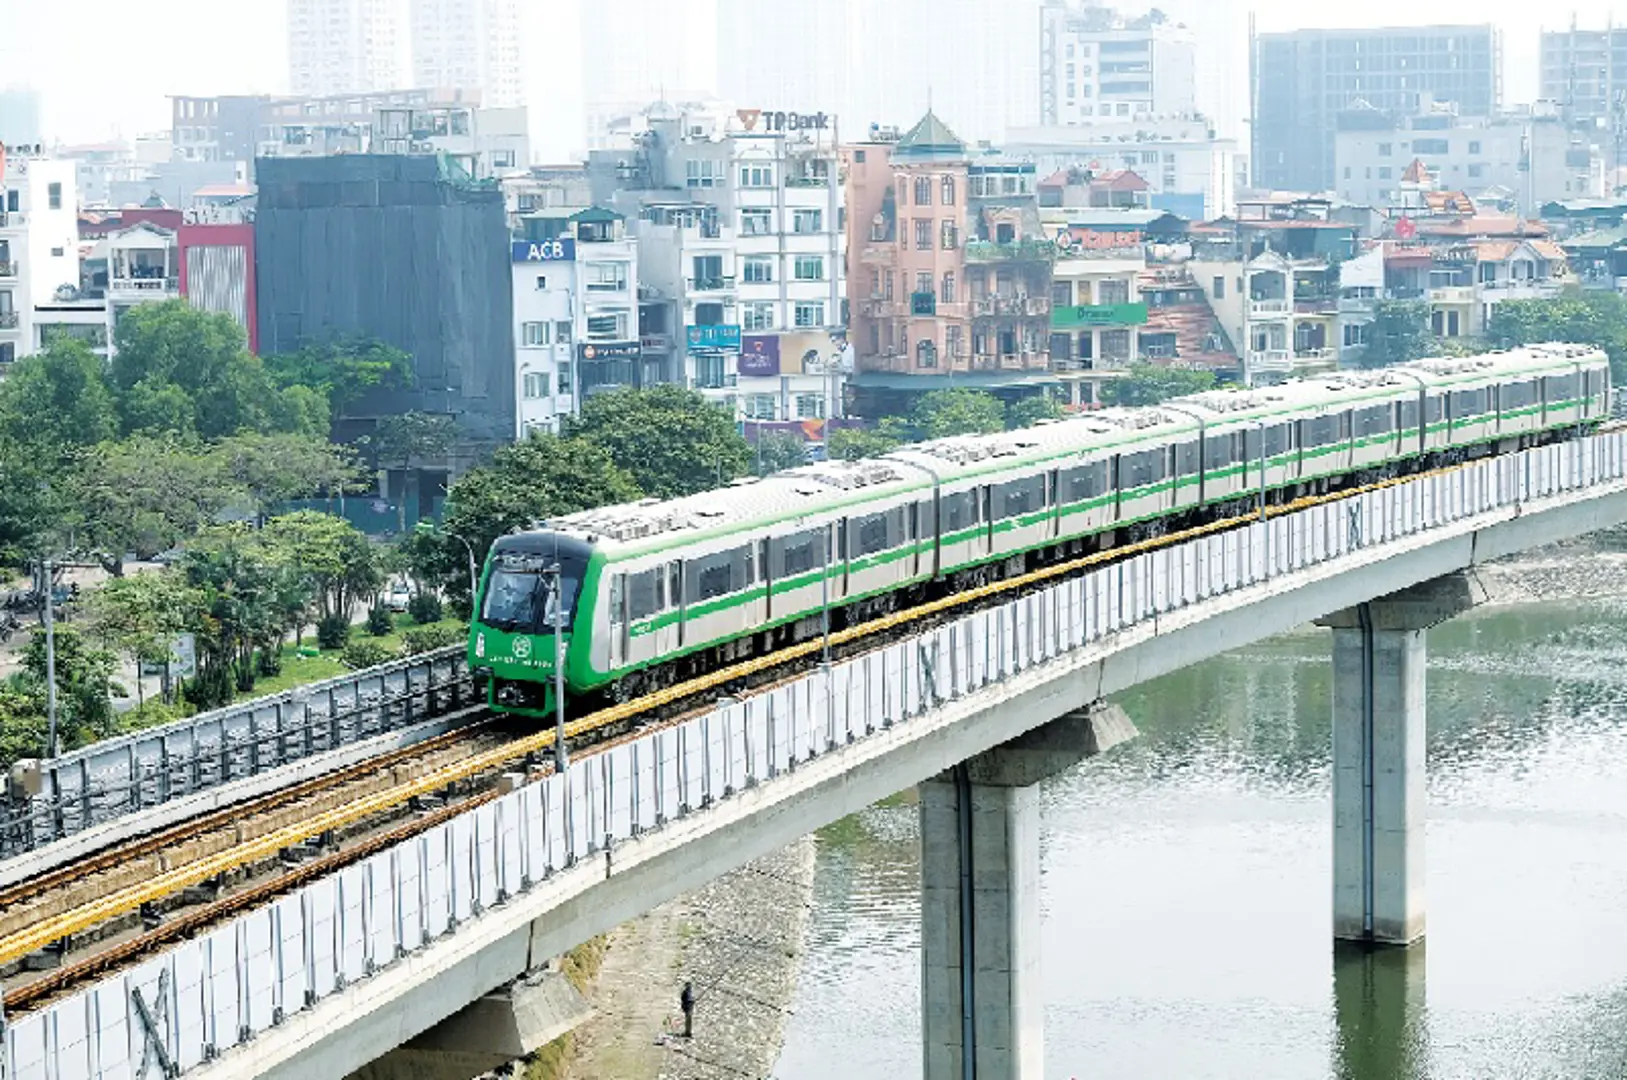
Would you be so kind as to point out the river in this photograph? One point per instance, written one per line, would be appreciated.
(1187, 880)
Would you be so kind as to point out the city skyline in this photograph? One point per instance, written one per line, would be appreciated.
(105, 96)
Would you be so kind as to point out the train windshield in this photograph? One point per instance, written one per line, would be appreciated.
(525, 600)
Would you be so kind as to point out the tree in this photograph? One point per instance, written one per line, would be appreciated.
(669, 440)
(1148, 384)
(776, 451)
(1030, 410)
(1594, 318)
(329, 553)
(851, 444)
(22, 719)
(182, 370)
(415, 436)
(273, 469)
(141, 616)
(942, 413)
(56, 400)
(236, 611)
(344, 370)
(1399, 333)
(85, 686)
(543, 477)
(30, 504)
(144, 494)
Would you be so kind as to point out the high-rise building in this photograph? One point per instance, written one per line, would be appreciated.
(20, 117)
(1303, 79)
(345, 46)
(1098, 66)
(469, 45)
(869, 62)
(1585, 72)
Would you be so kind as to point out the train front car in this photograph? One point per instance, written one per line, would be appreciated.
(533, 583)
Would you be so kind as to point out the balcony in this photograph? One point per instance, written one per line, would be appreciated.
(1521, 289)
(711, 284)
(1076, 316)
(1452, 294)
(982, 251)
(142, 286)
(8, 320)
(1011, 306)
(879, 254)
(1356, 305)
(1270, 360)
(1314, 357)
(879, 307)
(807, 182)
(1315, 304)
(654, 342)
(1012, 361)
(1266, 309)
(8, 269)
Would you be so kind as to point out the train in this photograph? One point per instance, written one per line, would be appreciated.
(626, 600)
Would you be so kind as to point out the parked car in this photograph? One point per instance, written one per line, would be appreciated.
(398, 597)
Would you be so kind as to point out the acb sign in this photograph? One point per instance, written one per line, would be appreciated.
(559, 249)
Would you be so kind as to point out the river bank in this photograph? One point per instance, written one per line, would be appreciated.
(738, 942)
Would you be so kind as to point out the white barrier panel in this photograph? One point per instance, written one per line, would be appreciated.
(206, 995)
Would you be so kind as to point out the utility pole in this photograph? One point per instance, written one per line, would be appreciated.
(50, 660)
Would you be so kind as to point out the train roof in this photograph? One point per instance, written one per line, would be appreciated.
(809, 490)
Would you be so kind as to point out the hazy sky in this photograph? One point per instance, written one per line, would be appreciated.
(106, 67)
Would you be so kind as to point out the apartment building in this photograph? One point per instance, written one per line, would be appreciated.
(1303, 79)
(1188, 170)
(346, 46)
(1585, 73)
(39, 246)
(468, 45)
(1099, 65)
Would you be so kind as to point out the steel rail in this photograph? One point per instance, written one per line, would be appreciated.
(15, 946)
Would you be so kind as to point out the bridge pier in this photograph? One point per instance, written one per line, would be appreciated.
(1379, 794)
(980, 919)
(494, 1030)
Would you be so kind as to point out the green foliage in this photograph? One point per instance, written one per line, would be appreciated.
(425, 607)
(1030, 410)
(379, 621)
(272, 469)
(329, 554)
(141, 616)
(1593, 318)
(56, 400)
(851, 444)
(542, 477)
(669, 440)
(943, 413)
(1399, 334)
(178, 369)
(332, 631)
(30, 504)
(22, 719)
(242, 600)
(343, 372)
(776, 451)
(365, 654)
(144, 494)
(84, 679)
(1148, 384)
(415, 436)
(424, 639)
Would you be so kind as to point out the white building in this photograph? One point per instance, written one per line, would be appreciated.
(1529, 153)
(346, 46)
(486, 142)
(469, 44)
(39, 246)
(1096, 65)
(1189, 171)
(576, 317)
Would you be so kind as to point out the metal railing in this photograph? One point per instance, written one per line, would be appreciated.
(117, 777)
(272, 962)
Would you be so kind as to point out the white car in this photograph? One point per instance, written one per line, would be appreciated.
(398, 596)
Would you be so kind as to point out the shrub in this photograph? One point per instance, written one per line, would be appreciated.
(429, 638)
(365, 654)
(425, 607)
(332, 632)
(268, 662)
(379, 622)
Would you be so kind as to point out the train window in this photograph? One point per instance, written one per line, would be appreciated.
(1560, 389)
(1141, 469)
(644, 594)
(1435, 408)
(712, 581)
(1021, 496)
(791, 555)
(1595, 383)
(1278, 440)
(958, 511)
(720, 574)
(1251, 447)
(1409, 414)
(1217, 451)
(1321, 431)
(1519, 395)
(1186, 459)
(1374, 420)
(1085, 482)
(872, 531)
(618, 589)
(1466, 403)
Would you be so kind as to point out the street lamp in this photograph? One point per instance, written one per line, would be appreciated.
(50, 659)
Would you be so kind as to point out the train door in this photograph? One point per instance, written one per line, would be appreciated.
(1053, 499)
(842, 540)
(677, 636)
(765, 574)
(912, 525)
(618, 622)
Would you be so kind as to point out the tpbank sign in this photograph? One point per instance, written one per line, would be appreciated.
(772, 120)
(559, 249)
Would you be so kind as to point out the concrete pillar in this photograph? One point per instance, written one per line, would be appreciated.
(980, 922)
(488, 1034)
(1378, 758)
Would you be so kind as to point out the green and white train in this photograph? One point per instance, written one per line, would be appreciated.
(659, 591)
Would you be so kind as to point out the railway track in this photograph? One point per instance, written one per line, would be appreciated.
(475, 776)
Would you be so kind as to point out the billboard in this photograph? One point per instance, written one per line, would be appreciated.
(718, 338)
(559, 249)
(760, 355)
